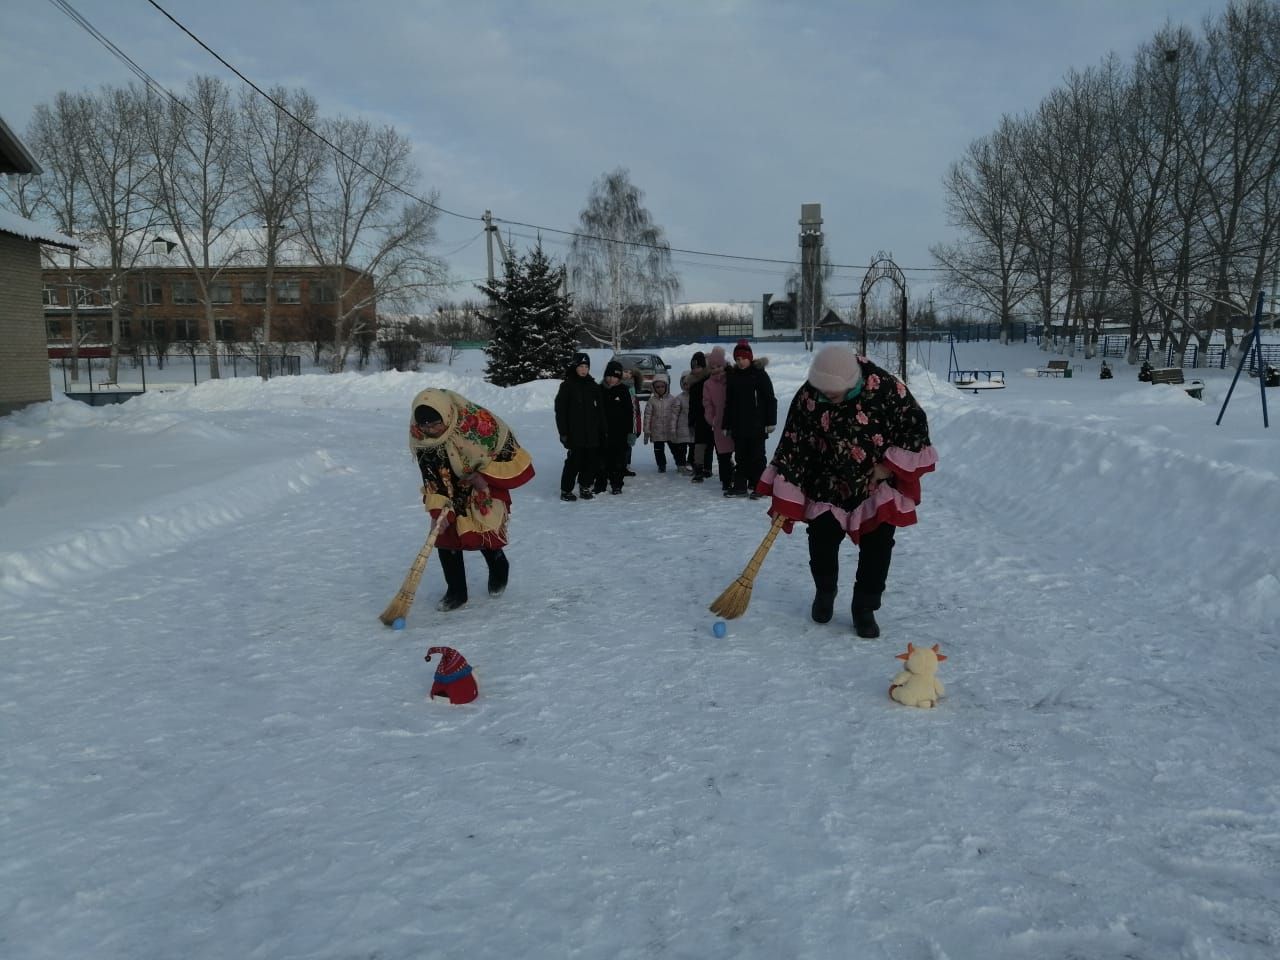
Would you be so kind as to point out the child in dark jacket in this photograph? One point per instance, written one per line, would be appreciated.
(619, 424)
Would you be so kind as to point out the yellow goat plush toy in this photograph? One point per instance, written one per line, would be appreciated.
(918, 685)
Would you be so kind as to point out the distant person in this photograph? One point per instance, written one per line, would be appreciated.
(683, 444)
(619, 424)
(631, 378)
(580, 424)
(750, 414)
(470, 461)
(714, 396)
(703, 440)
(661, 415)
(849, 463)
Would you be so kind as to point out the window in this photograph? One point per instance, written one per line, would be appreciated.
(253, 293)
(288, 291)
(126, 330)
(184, 291)
(220, 292)
(150, 292)
(88, 329)
(53, 329)
(154, 330)
(226, 328)
(50, 296)
(84, 297)
(184, 328)
(322, 291)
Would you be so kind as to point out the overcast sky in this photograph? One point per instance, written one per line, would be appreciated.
(729, 114)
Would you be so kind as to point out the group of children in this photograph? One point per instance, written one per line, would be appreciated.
(728, 411)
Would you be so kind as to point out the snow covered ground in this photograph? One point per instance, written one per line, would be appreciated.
(213, 749)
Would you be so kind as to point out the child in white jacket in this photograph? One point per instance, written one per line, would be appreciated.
(661, 417)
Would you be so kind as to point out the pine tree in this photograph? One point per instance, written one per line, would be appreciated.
(533, 335)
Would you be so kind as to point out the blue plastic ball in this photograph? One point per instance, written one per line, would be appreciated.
(397, 623)
(719, 628)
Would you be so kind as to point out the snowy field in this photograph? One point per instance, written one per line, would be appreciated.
(213, 749)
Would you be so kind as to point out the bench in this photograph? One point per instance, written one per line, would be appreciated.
(1055, 368)
(968, 380)
(1174, 376)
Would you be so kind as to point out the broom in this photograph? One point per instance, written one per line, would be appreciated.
(398, 608)
(733, 602)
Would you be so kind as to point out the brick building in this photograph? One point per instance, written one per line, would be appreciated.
(24, 365)
(162, 305)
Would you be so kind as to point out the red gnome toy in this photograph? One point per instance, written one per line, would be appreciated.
(453, 677)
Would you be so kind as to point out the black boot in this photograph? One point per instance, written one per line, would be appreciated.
(824, 598)
(584, 493)
(455, 580)
(567, 496)
(499, 569)
(864, 623)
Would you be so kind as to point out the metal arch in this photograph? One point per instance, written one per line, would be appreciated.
(883, 268)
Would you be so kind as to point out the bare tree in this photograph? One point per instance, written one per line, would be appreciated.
(116, 166)
(57, 133)
(193, 140)
(362, 213)
(986, 271)
(619, 263)
(278, 160)
(1240, 166)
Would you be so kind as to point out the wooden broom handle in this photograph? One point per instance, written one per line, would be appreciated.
(420, 562)
(753, 565)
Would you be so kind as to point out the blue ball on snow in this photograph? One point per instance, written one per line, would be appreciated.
(719, 628)
(397, 623)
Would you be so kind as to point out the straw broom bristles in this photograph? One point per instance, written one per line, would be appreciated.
(400, 604)
(733, 602)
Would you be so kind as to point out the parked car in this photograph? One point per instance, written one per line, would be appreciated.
(649, 365)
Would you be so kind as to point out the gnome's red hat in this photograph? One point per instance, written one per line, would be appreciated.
(453, 677)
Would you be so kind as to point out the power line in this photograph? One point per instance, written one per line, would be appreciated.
(78, 18)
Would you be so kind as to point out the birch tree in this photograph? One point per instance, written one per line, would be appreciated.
(195, 187)
(363, 213)
(278, 159)
(620, 262)
(986, 270)
(116, 166)
(57, 135)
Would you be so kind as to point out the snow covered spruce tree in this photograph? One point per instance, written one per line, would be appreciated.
(533, 335)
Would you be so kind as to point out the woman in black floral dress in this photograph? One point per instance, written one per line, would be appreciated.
(849, 463)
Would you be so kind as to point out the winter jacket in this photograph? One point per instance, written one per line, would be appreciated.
(714, 390)
(580, 412)
(661, 416)
(750, 405)
(684, 432)
(697, 416)
(619, 415)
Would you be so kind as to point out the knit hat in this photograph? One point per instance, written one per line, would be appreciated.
(716, 358)
(743, 349)
(453, 677)
(835, 369)
(423, 414)
(699, 361)
(580, 358)
(613, 369)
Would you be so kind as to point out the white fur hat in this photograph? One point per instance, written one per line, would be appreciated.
(835, 369)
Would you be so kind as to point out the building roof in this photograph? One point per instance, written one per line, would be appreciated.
(19, 227)
(14, 157)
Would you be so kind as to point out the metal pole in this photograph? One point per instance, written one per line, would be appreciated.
(1254, 346)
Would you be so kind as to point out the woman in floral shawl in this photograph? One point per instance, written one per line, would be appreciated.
(849, 463)
(469, 460)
